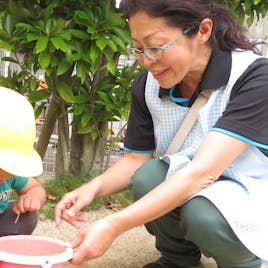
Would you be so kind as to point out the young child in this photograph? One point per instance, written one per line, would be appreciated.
(19, 162)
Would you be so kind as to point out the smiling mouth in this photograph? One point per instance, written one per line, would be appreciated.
(160, 75)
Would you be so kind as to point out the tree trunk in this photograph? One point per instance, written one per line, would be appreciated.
(62, 156)
(87, 155)
(75, 151)
(92, 157)
(47, 128)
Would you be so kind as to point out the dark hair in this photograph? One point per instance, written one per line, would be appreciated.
(227, 33)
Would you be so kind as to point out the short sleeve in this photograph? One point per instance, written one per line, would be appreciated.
(19, 182)
(140, 132)
(247, 113)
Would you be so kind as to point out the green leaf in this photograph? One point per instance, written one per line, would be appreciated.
(38, 110)
(38, 95)
(82, 70)
(81, 14)
(81, 99)
(4, 35)
(91, 29)
(104, 96)
(32, 37)
(33, 84)
(119, 42)
(6, 45)
(76, 56)
(54, 61)
(25, 27)
(94, 52)
(65, 92)
(123, 35)
(82, 130)
(44, 59)
(64, 34)
(95, 65)
(41, 44)
(48, 11)
(58, 43)
(9, 59)
(85, 119)
(111, 44)
(250, 20)
(5, 82)
(101, 43)
(50, 25)
(78, 109)
(8, 23)
(82, 18)
(111, 66)
(64, 66)
(80, 34)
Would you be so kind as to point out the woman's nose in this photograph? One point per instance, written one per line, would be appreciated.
(146, 61)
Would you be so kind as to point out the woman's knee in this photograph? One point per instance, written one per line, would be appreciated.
(200, 218)
(206, 227)
(147, 177)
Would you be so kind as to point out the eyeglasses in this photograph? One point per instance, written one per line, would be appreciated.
(153, 52)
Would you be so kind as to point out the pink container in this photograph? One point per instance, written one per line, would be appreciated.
(18, 251)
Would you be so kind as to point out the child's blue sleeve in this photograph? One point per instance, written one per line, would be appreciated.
(19, 182)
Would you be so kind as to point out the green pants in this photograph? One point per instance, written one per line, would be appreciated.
(194, 228)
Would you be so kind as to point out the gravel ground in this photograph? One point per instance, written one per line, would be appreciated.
(130, 250)
(133, 249)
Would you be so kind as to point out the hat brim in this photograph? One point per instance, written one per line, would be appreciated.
(21, 165)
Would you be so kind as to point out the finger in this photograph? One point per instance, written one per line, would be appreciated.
(26, 205)
(15, 209)
(75, 220)
(59, 210)
(71, 204)
(20, 205)
(80, 253)
(74, 209)
(77, 240)
(57, 215)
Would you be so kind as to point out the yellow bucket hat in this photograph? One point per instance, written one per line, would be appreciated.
(17, 135)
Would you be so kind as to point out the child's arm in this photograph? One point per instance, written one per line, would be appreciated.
(30, 198)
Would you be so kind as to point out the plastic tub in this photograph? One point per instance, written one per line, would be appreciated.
(32, 251)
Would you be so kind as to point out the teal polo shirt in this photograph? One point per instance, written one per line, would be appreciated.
(14, 182)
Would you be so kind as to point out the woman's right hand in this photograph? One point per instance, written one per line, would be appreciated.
(70, 205)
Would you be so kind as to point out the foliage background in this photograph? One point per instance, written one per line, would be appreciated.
(77, 44)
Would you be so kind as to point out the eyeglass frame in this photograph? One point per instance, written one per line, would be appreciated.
(132, 50)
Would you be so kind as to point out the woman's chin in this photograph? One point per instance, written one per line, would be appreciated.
(166, 84)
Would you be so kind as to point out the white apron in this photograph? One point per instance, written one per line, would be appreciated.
(242, 199)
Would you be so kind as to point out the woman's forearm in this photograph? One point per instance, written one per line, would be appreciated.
(117, 177)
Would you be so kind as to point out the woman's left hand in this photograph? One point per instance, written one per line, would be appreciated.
(93, 241)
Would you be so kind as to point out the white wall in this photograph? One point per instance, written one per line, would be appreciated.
(259, 31)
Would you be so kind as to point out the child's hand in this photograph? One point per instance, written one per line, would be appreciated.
(27, 202)
(30, 198)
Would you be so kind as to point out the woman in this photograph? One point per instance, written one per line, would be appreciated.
(213, 201)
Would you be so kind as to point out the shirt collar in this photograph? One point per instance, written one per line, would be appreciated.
(218, 70)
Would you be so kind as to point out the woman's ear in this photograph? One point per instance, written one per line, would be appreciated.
(205, 30)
